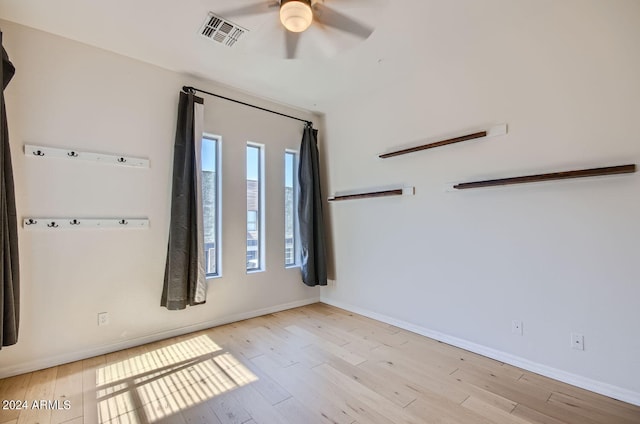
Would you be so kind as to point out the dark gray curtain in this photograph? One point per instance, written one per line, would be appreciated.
(10, 286)
(312, 240)
(185, 277)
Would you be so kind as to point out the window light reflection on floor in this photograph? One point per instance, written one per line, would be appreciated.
(157, 384)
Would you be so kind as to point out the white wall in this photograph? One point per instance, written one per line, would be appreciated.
(70, 95)
(563, 256)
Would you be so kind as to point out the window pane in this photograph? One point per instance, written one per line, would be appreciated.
(290, 215)
(254, 200)
(252, 220)
(210, 203)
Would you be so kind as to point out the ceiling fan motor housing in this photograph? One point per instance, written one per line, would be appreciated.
(296, 15)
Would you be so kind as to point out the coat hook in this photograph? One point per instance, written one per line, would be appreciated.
(38, 153)
(122, 222)
(74, 222)
(52, 225)
(31, 221)
(72, 154)
(122, 160)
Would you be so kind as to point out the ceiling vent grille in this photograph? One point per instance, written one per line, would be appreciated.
(221, 30)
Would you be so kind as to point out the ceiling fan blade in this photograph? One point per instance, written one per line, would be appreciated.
(250, 9)
(291, 43)
(329, 17)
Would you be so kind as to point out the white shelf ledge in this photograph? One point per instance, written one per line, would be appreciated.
(78, 223)
(53, 152)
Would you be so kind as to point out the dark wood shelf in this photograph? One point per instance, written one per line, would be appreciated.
(580, 173)
(382, 193)
(460, 139)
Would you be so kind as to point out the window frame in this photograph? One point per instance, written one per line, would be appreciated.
(218, 205)
(261, 233)
(296, 223)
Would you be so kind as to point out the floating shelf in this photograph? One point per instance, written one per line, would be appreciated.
(491, 132)
(43, 152)
(580, 173)
(402, 191)
(77, 223)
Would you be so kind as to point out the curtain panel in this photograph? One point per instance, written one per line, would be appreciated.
(185, 275)
(310, 217)
(10, 286)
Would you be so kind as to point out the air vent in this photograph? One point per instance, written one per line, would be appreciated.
(221, 30)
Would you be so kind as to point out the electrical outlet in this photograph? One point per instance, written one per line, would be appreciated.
(103, 319)
(516, 327)
(577, 341)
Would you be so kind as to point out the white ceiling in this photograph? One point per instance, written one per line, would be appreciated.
(332, 64)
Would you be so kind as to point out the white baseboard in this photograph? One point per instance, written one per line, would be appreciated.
(48, 362)
(605, 389)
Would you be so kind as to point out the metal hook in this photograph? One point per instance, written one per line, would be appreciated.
(38, 153)
(122, 222)
(52, 225)
(72, 154)
(30, 221)
(74, 222)
(122, 160)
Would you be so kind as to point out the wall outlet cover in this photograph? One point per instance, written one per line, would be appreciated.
(577, 341)
(516, 327)
(103, 318)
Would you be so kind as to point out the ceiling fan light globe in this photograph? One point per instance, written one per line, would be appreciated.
(295, 15)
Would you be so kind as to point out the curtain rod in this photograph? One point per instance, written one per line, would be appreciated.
(188, 89)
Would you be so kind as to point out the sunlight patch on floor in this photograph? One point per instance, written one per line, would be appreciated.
(157, 384)
(156, 359)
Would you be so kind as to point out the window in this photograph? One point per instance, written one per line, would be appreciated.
(290, 208)
(252, 220)
(255, 200)
(211, 204)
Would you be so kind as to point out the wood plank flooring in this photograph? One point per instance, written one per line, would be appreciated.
(315, 364)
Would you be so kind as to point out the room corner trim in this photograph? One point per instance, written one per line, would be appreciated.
(602, 388)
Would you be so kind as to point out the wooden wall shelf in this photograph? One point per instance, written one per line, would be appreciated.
(404, 191)
(492, 132)
(580, 173)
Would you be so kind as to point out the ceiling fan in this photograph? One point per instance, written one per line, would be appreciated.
(297, 16)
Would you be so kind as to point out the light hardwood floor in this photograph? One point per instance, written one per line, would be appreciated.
(315, 364)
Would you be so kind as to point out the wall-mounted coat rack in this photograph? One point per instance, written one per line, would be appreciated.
(402, 191)
(580, 173)
(53, 152)
(491, 132)
(76, 223)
